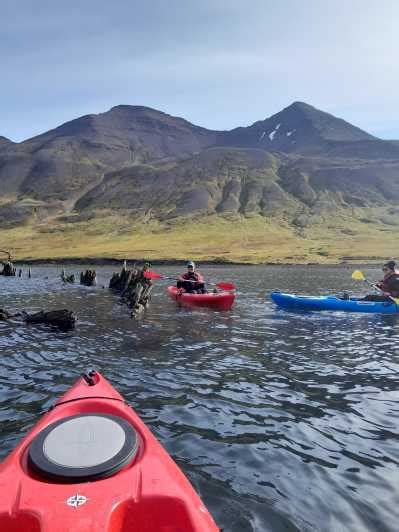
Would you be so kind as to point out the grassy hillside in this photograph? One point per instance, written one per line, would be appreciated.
(301, 186)
(359, 235)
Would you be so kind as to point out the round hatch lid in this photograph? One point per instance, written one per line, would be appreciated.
(83, 447)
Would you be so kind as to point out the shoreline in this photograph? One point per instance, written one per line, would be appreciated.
(105, 261)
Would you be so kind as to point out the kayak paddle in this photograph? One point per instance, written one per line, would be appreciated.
(221, 285)
(153, 275)
(358, 275)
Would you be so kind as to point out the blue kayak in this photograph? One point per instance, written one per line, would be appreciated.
(295, 302)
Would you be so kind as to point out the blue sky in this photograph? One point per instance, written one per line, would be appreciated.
(217, 63)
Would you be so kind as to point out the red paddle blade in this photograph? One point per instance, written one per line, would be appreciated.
(226, 286)
(152, 275)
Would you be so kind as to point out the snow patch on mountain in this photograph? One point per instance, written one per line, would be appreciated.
(272, 134)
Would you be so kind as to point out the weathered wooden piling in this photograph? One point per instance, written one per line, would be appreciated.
(88, 278)
(134, 288)
(8, 267)
(67, 278)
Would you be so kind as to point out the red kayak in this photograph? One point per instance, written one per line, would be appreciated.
(90, 464)
(217, 301)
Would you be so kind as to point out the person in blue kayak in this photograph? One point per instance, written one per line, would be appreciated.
(389, 285)
(191, 281)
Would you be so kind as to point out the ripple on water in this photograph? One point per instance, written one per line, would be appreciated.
(282, 421)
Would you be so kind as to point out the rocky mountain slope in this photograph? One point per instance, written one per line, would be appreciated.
(4, 141)
(57, 164)
(300, 165)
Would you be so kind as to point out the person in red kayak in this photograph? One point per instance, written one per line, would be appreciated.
(192, 281)
(389, 285)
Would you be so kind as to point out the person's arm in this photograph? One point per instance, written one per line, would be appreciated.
(392, 285)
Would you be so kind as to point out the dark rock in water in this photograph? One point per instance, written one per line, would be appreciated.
(5, 315)
(63, 319)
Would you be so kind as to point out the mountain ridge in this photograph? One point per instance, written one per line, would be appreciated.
(297, 167)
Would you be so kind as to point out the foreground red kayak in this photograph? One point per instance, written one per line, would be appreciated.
(91, 465)
(216, 301)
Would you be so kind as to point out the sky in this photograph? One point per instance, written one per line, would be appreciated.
(218, 63)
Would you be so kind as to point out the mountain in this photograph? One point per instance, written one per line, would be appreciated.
(4, 141)
(292, 160)
(217, 180)
(244, 181)
(58, 164)
(134, 165)
(301, 128)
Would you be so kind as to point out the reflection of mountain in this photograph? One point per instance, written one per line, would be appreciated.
(300, 163)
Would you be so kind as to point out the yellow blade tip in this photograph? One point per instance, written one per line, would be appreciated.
(357, 275)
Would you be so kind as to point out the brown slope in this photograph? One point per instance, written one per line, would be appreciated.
(245, 181)
(218, 180)
(312, 160)
(59, 163)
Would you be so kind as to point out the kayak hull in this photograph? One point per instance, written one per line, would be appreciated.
(332, 303)
(150, 494)
(215, 301)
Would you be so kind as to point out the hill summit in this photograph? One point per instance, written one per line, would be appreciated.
(297, 128)
(136, 165)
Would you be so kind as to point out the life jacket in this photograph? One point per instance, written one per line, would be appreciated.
(390, 284)
(192, 276)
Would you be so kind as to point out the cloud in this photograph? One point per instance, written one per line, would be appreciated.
(219, 64)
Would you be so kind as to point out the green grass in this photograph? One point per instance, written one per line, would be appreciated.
(234, 239)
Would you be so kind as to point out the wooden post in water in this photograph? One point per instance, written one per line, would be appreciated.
(88, 278)
(8, 267)
(67, 278)
(134, 288)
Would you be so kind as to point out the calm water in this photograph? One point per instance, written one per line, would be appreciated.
(282, 421)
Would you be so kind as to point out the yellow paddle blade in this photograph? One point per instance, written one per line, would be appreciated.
(396, 299)
(357, 275)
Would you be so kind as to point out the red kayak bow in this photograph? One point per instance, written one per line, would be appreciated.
(90, 464)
